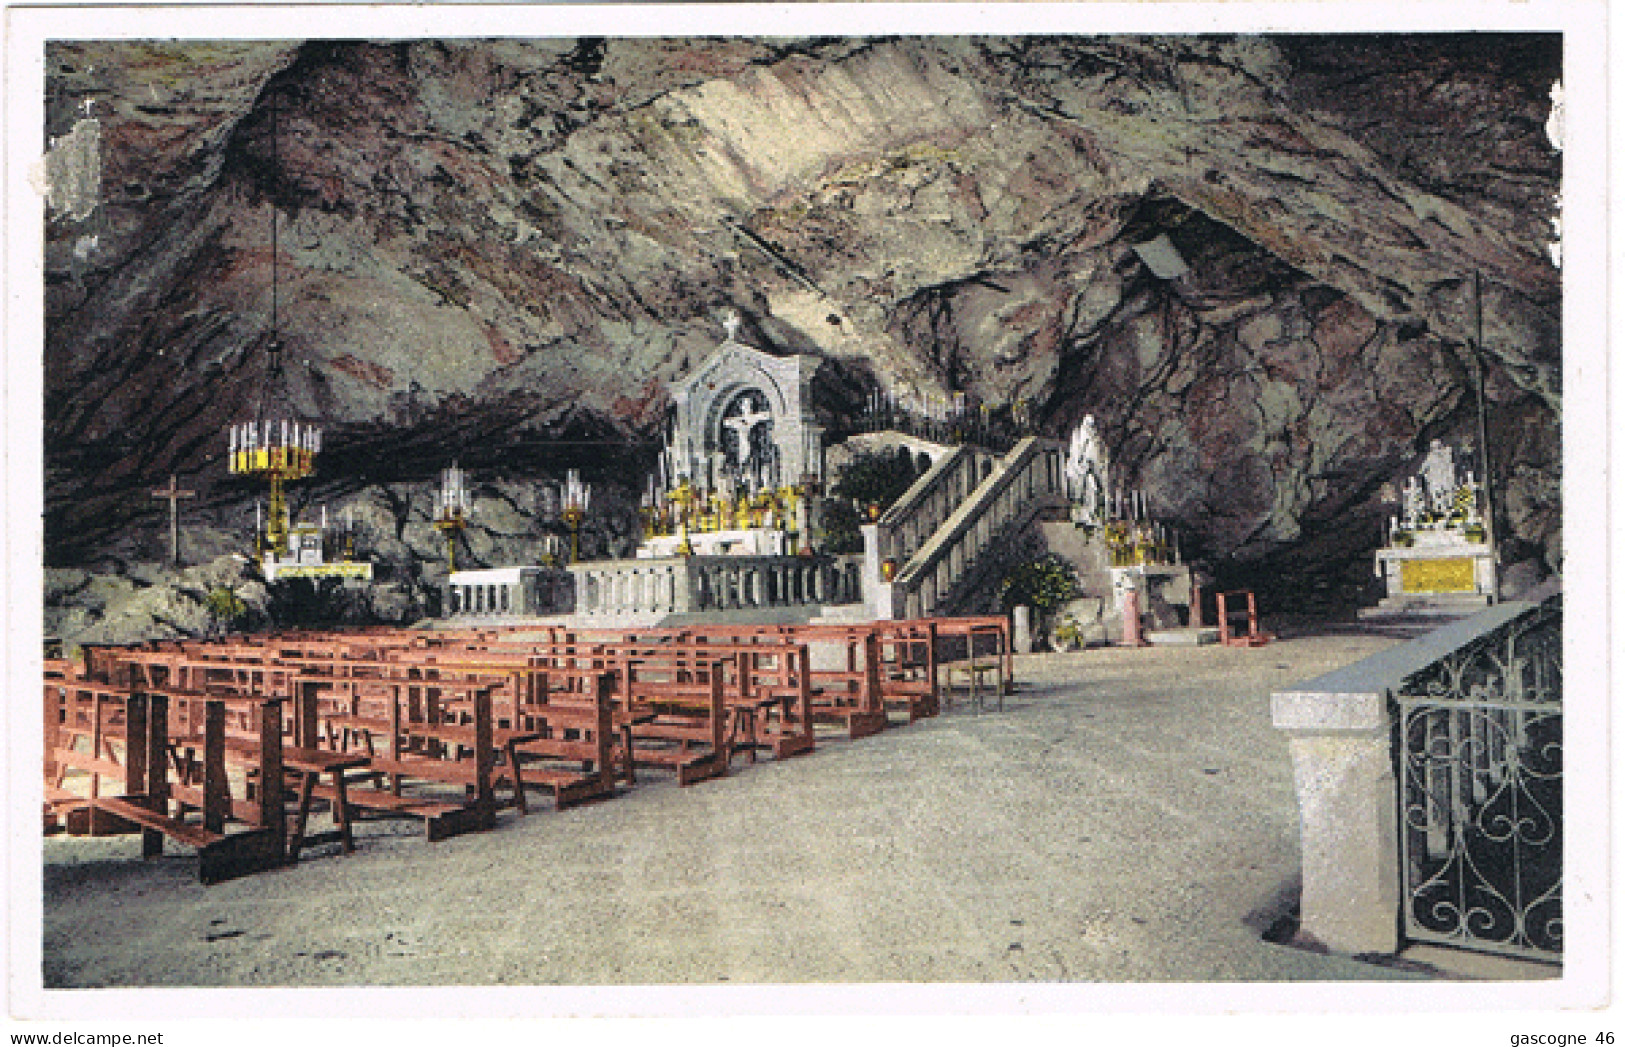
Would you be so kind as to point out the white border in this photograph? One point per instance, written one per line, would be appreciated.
(1170, 1009)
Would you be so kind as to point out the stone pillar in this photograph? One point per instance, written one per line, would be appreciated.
(1131, 619)
(759, 585)
(883, 597)
(1342, 764)
(1022, 630)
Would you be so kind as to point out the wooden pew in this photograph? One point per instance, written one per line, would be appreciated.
(573, 753)
(149, 790)
(678, 716)
(411, 755)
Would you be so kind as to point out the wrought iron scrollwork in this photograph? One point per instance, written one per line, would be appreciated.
(1481, 770)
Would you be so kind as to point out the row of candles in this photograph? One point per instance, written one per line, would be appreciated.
(1127, 505)
(921, 405)
(700, 510)
(269, 435)
(451, 501)
(1133, 543)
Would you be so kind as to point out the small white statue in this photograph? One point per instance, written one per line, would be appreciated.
(1439, 473)
(1085, 472)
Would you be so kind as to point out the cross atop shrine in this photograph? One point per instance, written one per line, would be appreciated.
(174, 494)
(731, 324)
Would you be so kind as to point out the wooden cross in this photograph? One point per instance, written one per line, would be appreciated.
(174, 494)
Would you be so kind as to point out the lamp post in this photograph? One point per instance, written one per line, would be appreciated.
(577, 499)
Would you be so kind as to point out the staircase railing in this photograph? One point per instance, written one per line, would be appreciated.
(930, 500)
(937, 560)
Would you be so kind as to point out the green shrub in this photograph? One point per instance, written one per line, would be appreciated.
(841, 533)
(1043, 584)
(877, 478)
(227, 611)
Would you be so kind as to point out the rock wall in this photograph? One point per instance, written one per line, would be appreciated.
(501, 251)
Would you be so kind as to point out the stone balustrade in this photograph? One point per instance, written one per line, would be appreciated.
(679, 585)
(506, 591)
(1025, 482)
(930, 500)
(1340, 731)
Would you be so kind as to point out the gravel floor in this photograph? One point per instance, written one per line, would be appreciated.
(1129, 816)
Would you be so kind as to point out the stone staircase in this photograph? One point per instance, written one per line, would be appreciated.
(939, 547)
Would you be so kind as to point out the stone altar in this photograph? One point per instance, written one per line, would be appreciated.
(306, 556)
(1438, 560)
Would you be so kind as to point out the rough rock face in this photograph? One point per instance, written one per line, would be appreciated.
(125, 595)
(500, 251)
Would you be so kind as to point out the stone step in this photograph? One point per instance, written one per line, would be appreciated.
(1182, 637)
(840, 614)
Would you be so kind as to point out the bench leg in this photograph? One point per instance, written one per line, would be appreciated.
(518, 781)
(307, 784)
(341, 811)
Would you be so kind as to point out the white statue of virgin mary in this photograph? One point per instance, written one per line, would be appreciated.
(1085, 473)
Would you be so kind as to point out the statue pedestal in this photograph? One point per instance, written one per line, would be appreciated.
(1440, 573)
(1160, 590)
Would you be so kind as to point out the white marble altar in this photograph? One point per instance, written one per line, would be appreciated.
(1438, 560)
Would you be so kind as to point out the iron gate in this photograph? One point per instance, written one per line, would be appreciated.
(1481, 792)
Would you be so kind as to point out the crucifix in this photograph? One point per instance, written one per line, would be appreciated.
(742, 424)
(174, 494)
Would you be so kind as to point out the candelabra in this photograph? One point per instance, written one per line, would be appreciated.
(349, 534)
(275, 452)
(451, 511)
(577, 498)
(683, 498)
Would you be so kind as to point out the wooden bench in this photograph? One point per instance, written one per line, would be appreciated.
(145, 802)
(413, 754)
(573, 751)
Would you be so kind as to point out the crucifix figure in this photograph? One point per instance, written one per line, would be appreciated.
(174, 493)
(743, 425)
